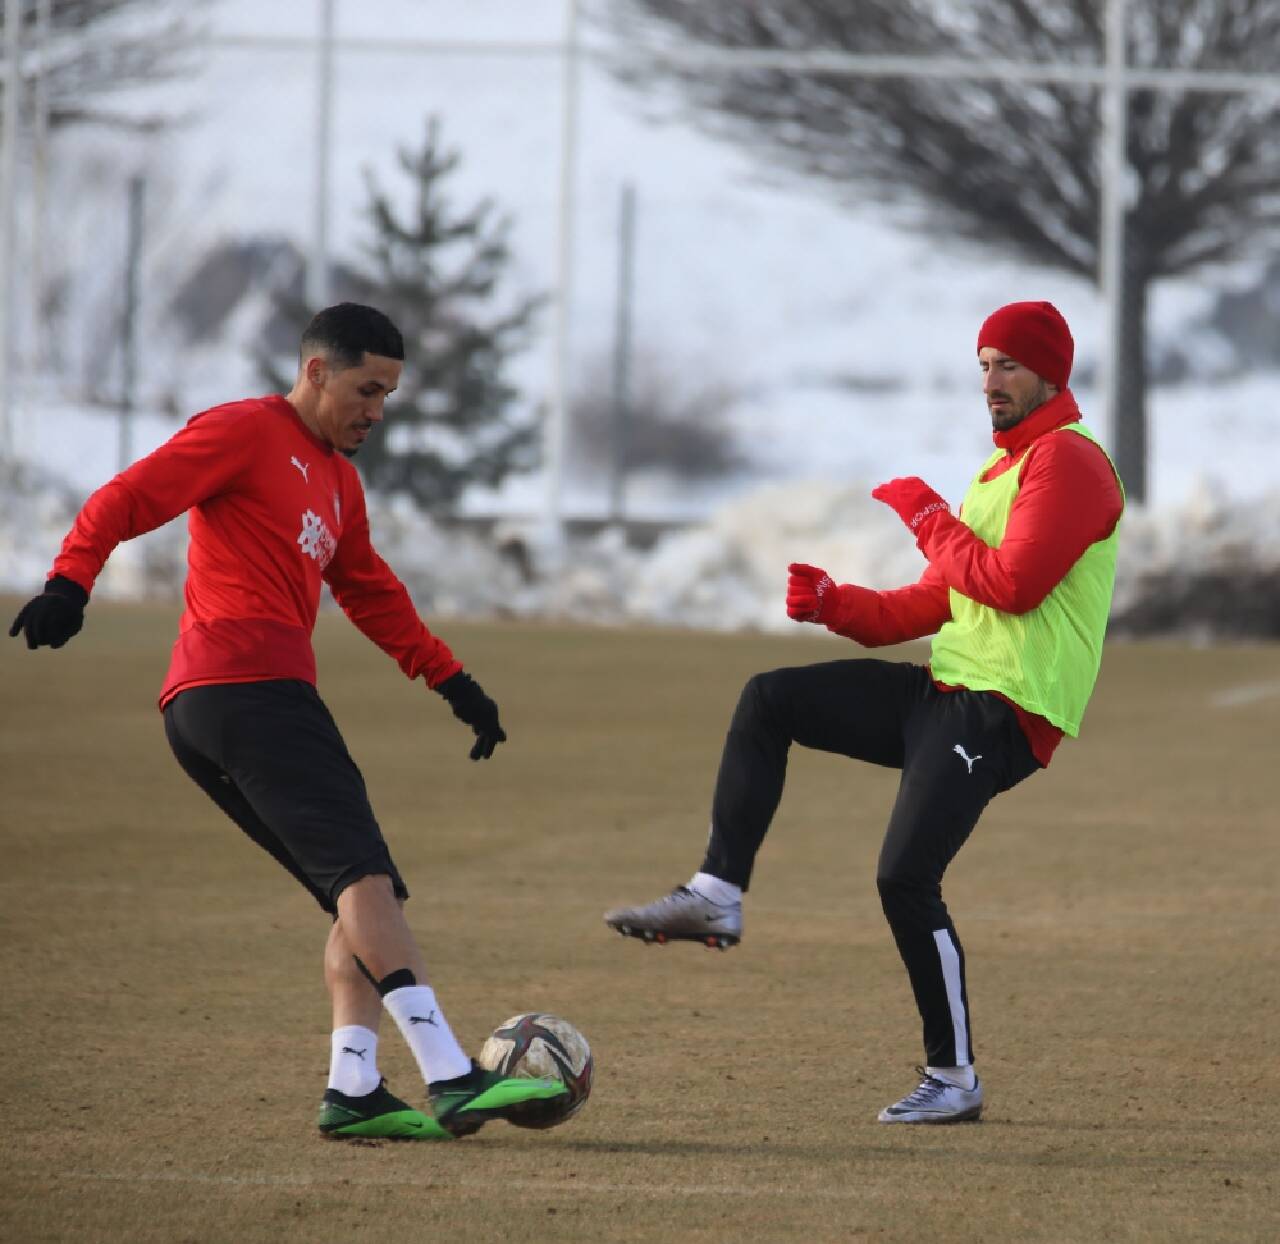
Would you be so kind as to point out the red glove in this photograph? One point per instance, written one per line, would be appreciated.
(811, 594)
(912, 499)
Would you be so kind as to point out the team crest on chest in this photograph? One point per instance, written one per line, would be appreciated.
(316, 540)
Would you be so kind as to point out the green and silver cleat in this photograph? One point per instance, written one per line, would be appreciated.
(466, 1103)
(379, 1115)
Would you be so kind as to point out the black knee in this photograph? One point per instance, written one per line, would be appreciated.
(756, 704)
(910, 901)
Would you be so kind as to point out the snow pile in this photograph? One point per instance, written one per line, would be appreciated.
(37, 509)
(730, 572)
(1209, 532)
(726, 573)
(453, 572)
(33, 504)
(1209, 566)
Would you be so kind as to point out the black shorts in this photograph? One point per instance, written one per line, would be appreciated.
(270, 756)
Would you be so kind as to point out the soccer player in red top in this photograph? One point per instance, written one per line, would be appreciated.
(1016, 592)
(274, 509)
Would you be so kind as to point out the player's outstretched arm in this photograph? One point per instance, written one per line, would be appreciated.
(914, 502)
(53, 617)
(862, 614)
(470, 705)
(811, 593)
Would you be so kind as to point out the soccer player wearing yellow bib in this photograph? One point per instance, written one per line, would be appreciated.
(1016, 594)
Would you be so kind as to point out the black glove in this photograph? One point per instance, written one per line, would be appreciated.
(470, 704)
(54, 616)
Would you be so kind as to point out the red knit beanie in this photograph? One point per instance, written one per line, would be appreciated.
(1036, 335)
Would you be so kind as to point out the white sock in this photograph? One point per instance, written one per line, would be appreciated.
(424, 1027)
(353, 1061)
(725, 893)
(962, 1077)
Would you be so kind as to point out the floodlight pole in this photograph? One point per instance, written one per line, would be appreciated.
(620, 422)
(558, 415)
(317, 283)
(129, 335)
(39, 181)
(1113, 206)
(8, 192)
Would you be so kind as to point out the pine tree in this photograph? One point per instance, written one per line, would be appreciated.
(455, 419)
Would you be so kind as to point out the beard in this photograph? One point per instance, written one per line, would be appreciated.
(1013, 414)
(355, 449)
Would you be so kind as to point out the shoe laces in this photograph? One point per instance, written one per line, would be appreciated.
(927, 1091)
(682, 895)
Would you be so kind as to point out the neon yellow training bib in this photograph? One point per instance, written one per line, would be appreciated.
(1046, 660)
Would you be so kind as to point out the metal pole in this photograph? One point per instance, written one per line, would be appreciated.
(1113, 170)
(622, 354)
(318, 258)
(839, 64)
(129, 333)
(39, 179)
(557, 417)
(8, 192)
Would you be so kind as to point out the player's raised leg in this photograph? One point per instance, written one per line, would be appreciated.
(687, 914)
(852, 708)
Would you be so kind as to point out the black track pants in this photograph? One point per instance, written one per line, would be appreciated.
(956, 750)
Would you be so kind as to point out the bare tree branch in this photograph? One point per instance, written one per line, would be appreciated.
(1011, 164)
(104, 47)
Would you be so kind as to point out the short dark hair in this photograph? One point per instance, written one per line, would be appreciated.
(345, 333)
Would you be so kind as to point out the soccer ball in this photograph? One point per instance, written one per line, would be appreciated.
(537, 1044)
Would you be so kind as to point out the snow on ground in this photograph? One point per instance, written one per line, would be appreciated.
(850, 345)
(771, 289)
(724, 568)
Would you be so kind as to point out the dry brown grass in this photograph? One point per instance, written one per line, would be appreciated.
(165, 1030)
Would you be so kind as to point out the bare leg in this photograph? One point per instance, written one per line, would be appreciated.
(355, 1000)
(373, 927)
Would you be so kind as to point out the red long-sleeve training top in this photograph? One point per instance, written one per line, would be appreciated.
(1069, 498)
(273, 511)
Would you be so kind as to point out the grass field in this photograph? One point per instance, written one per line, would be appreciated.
(165, 1029)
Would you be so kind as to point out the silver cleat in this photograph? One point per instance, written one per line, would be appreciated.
(681, 916)
(936, 1101)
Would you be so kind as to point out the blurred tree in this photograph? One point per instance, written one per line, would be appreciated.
(1013, 166)
(436, 274)
(675, 422)
(98, 47)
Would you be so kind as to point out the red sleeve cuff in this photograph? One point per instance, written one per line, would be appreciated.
(436, 674)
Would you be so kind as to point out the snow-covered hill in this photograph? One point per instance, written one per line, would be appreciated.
(849, 344)
(1207, 566)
